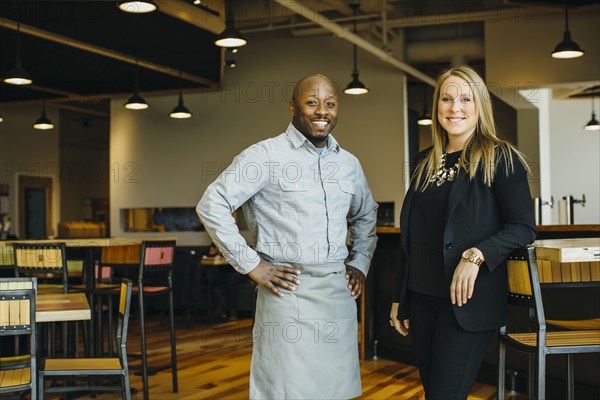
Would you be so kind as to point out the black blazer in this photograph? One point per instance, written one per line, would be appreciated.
(497, 220)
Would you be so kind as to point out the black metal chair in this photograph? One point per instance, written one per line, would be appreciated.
(44, 260)
(524, 291)
(156, 256)
(17, 317)
(74, 368)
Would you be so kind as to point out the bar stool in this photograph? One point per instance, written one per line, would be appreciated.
(156, 256)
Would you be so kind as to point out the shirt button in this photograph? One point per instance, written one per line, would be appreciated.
(448, 245)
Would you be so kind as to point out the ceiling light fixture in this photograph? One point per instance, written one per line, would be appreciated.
(43, 122)
(567, 48)
(230, 37)
(138, 7)
(593, 125)
(18, 75)
(355, 86)
(425, 117)
(180, 111)
(136, 101)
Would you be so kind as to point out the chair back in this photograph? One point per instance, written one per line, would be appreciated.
(17, 317)
(156, 256)
(524, 285)
(124, 311)
(41, 258)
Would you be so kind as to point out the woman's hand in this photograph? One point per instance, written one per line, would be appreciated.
(401, 326)
(463, 282)
(356, 280)
(271, 276)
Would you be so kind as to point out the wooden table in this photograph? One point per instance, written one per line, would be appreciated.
(568, 260)
(121, 250)
(62, 307)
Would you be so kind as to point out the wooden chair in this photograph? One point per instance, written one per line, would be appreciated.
(92, 367)
(17, 317)
(156, 256)
(44, 261)
(524, 291)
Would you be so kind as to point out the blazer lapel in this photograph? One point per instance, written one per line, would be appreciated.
(457, 191)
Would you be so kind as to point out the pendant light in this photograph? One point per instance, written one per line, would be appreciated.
(593, 125)
(18, 75)
(136, 101)
(180, 111)
(43, 122)
(355, 86)
(567, 48)
(230, 37)
(138, 7)
(425, 118)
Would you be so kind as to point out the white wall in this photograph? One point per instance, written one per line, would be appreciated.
(27, 151)
(575, 158)
(170, 161)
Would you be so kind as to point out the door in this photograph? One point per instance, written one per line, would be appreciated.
(35, 207)
(35, 213)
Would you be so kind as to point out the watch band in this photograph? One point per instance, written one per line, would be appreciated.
(470, 256)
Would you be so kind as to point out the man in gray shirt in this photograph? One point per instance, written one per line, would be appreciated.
(301, 194)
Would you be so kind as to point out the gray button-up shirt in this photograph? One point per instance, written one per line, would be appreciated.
(299, 204)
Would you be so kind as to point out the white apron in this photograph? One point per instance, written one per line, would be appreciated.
(305, 343)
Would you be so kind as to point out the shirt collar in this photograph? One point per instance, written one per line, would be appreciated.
(298, 139)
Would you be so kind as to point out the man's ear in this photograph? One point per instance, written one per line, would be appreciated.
(292, 109)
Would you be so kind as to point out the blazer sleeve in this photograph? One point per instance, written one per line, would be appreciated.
(511, 190)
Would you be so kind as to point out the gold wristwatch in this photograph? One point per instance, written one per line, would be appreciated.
(469, 255)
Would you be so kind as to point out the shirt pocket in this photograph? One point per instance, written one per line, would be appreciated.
(288, 187)
(341, 193)
(291, 195)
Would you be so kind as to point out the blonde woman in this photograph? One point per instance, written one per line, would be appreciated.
(468, 208)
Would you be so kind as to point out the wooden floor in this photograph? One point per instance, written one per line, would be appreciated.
(214, 361)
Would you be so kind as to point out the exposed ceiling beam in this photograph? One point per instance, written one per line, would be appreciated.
(355, 39)
(195, 15)
(78, 44)
(82, 110)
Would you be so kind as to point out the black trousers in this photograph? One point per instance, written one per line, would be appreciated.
(448, 357)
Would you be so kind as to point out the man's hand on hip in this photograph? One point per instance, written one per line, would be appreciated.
(271, 276)
(356, 280)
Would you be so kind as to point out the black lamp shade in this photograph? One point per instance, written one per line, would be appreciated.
(230, 37)
(180, 111)
(138, 7)
(593, 125)
(43, 122)
(136, 102)
(425, 118)
(567, 48)
(356, 86)
(18, 76)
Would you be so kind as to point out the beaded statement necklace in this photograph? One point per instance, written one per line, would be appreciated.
(445, 174)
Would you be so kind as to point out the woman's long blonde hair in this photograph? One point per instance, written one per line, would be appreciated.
(478, 156)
